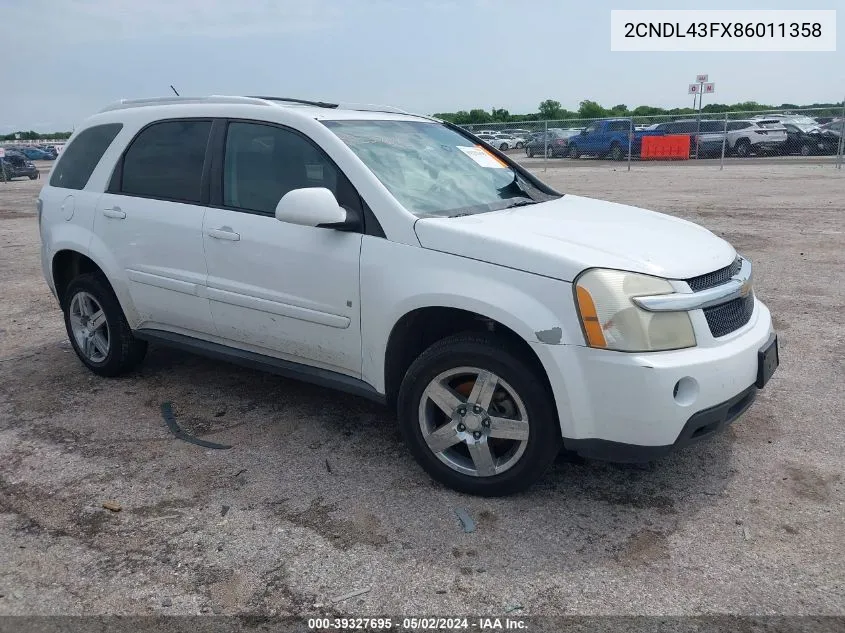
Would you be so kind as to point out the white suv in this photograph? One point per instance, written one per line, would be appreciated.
(396, 257)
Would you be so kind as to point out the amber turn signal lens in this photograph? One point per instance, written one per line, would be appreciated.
(589, 318)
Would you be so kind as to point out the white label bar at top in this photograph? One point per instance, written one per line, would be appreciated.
(723, 30)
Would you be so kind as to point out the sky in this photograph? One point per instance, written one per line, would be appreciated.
(66, 59)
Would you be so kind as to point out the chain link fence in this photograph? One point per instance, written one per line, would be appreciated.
(727, 137)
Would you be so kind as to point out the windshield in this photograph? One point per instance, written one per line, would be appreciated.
(433, 170)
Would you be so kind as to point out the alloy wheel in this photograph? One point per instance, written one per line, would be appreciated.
(474, 422)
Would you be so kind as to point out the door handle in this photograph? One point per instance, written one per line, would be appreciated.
(224, 233)
(114, 212)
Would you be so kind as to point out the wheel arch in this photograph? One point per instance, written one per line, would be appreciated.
(419, 328)
(69, 262)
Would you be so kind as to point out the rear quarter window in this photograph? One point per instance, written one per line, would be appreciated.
(81, 156)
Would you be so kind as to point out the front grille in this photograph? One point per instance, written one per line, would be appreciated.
(729, 317)
(716, 278)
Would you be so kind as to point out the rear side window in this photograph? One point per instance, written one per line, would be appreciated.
(80, 158)
(166, 161)
(619, 126)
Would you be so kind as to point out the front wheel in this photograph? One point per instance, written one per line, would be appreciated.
(503, 147)
(477, 417)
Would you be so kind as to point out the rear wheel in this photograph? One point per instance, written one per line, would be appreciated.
(573, 151)
(97, 328)
(477, 417)
(616, 152)
(519, 145)
(742, 148)
(503, 147)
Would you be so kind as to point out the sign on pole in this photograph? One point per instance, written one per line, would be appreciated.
(694, 89)
(701, 79)
(709, 88)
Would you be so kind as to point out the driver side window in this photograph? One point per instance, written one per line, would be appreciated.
(262, 163)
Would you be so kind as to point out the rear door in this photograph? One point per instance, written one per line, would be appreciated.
(151, 218)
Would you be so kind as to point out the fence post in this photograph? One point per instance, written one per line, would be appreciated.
(631, 140)
(724, 142)
(841, 138)
(545, 145)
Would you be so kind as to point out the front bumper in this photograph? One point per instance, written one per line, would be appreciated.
(639, 406)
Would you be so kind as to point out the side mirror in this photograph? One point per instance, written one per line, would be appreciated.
(312, 206)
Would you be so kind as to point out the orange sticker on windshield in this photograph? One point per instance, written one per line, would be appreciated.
(483, 157)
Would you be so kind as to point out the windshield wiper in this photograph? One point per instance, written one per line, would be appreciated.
(520, 203)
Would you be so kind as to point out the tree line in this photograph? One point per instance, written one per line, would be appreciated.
(31, 135)
(550, 110)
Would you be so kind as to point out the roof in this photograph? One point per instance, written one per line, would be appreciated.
(314, 109)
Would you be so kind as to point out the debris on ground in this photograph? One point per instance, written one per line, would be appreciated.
(166, 602)
(114, 506)
(351, 594)
(224, 511)
(516, 607)
(466, 520)
(170, 420)
(328, 465)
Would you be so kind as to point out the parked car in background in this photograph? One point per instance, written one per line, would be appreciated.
(751, 137)
(520, 136)
(705, 135)
(808, 141)
(500, 141)
(48, 149)
(16, 165)
(33, 153)
(832, 128)
(608, 138)
(553, 142)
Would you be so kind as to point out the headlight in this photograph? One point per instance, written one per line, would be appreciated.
(611, 320)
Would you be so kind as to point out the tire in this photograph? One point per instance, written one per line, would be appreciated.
(520, 461)
(503, 147)
(34, 177)
(742, 148)
(519, 146)
(529, 152)
(122, 351)
(573, 152)
(616, 152)
(806, 150)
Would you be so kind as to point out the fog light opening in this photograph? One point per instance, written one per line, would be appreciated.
(685, 391)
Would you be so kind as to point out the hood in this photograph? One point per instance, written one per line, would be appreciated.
(562, 237)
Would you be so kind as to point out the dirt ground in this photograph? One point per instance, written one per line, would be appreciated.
(319, 498)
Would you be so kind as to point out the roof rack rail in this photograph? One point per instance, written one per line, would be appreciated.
(319, 104)
(154, 101)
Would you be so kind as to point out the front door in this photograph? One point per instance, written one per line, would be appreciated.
(282, 288)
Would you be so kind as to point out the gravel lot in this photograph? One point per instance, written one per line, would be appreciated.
(318, 497)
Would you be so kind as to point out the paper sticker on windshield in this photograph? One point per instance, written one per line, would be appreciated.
(482, 157)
